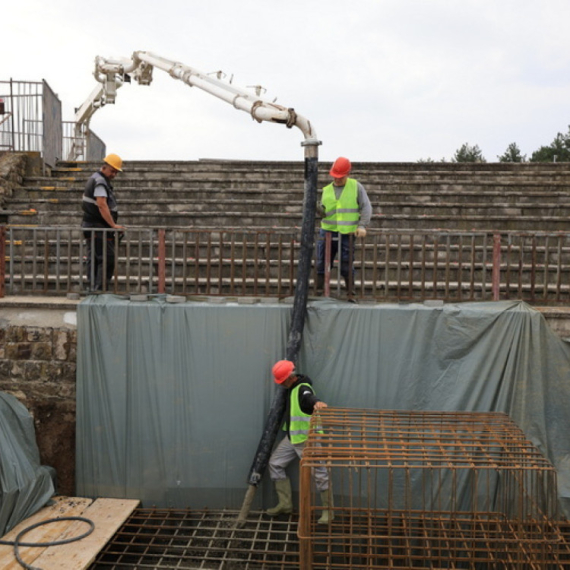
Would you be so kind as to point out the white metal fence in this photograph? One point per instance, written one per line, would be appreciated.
(31, 121)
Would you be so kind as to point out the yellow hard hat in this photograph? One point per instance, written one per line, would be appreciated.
(115, 161)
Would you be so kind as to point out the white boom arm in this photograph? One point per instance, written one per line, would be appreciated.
(111, 73)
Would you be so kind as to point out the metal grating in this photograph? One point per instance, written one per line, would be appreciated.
(412, 490)
(184, 539)
(163, 538)
(428, 490)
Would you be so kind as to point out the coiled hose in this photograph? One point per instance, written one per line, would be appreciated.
(16, 543)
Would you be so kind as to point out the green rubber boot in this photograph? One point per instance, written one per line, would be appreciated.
(285, 504)
(328, 504)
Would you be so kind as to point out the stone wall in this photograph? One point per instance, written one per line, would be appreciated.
(37, 366)
(12, 171)
(14, 167)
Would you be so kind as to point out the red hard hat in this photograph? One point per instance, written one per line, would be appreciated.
(282, 370)
(340, 168)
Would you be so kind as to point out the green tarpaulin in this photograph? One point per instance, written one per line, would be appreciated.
(172, 397)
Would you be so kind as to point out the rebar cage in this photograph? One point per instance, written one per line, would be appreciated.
(428, 490)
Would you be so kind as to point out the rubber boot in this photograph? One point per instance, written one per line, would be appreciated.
(328, 504)
(320, 284)
(285, 504)
(349, 282)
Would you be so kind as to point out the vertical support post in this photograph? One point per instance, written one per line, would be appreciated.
(496, 278)
(305, 545)
(2, 260)
(328, 247)
(161, 260)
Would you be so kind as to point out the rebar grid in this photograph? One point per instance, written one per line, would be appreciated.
(183, 539)
(433, 540)
(428, 490)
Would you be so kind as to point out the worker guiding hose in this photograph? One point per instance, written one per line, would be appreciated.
(302, 403)
(346, 212)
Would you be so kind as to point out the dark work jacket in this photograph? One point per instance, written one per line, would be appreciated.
(92, 217)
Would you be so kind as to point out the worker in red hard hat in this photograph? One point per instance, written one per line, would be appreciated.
(100, 211)
(301, 405)
(346, 211)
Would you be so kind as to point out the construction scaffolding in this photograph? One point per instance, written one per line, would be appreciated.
(429, 490)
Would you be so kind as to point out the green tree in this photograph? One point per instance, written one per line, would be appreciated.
(431, 160)
(557, 151)
(512, 154)
(468, 153)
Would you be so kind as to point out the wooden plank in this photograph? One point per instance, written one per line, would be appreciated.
(108, 516)
(62, 507)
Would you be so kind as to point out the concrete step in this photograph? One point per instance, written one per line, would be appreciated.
(247, 193)
(213, 165)
(243, 207)
(503, 221)
(286, 191)
(280, 177)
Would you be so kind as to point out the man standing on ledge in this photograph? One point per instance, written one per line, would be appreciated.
(346, 210)
(100, 211)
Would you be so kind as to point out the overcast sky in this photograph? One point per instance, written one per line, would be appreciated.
(380, 80)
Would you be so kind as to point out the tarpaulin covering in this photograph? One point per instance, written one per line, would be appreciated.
(172, 397)
(25, 485)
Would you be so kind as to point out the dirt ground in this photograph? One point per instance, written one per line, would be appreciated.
(55, 436)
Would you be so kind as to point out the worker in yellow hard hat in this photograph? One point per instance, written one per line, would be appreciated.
(302, 403)
(346, 210)
(100, 211)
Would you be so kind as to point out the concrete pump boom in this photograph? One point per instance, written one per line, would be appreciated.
(112, 73)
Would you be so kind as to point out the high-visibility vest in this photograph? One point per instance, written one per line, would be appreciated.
(298, 420)
(341, 215)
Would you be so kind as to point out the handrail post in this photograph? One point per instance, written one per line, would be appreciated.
(496, 276)
(161, 260)
(2, 260)
(328, 253)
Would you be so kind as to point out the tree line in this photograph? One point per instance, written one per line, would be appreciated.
(557, 151)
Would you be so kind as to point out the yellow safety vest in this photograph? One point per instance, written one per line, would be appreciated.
(299, 421)
(341, 215)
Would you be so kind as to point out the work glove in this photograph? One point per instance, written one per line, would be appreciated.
(360, 232)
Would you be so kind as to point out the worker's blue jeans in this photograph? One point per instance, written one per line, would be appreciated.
(346, 252)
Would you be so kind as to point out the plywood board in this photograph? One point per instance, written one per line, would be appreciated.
(108, 515)
(61, 507)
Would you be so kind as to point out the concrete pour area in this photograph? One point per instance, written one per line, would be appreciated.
(182, 538)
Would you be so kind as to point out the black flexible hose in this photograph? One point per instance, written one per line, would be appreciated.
(16, 543)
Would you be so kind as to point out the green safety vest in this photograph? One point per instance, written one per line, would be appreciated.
(342, 215)
(298, 420)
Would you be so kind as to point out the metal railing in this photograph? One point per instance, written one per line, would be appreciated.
(32, 122)
(399, 266)
(32, 119)
(85, 145)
